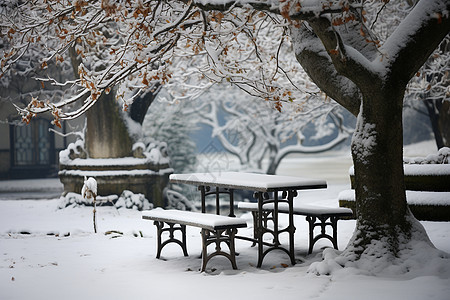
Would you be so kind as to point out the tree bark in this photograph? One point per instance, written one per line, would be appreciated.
(377, 151)
(107, 135)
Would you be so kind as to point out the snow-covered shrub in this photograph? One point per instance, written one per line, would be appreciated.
(131, 200)
(127, 199)
(442, 157)
(74, 199)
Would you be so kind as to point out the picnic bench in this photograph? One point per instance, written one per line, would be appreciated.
(215, 229)
(317, 216)
(283, 188)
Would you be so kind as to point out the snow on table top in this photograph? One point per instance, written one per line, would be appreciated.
(248, 181)
(193, 218)
(412, 197)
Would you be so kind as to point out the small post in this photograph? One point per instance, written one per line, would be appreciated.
(94, 220)
(89, 191)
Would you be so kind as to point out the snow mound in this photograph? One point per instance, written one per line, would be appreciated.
(74, 200)
(130, 200)
(416, 257)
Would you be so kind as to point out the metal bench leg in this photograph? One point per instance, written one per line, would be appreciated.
(217, 237)
(171, 229)
(322, 222)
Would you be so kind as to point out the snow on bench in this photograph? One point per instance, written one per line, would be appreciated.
(315, 215)
(425, 205)
(196, 219)
(304, 209)
(215, 229)
(412, 197)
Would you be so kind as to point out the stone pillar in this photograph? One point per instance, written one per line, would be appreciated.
(107, 135)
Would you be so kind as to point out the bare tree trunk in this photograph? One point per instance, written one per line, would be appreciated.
(377, 150)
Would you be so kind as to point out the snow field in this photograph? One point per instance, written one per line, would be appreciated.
(84, 265)
(46, 253)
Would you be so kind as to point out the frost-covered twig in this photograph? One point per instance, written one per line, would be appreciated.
(75, 133)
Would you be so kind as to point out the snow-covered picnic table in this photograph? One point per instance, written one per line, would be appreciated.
(267, 190)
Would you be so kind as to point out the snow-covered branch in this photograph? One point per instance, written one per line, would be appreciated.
(423, 28)
(123, 43)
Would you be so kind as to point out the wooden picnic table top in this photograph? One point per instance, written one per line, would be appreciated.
(248, 181)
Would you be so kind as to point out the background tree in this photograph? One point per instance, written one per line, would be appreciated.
(431, 87)
(166, 121)
(152, 46)
(252, 131)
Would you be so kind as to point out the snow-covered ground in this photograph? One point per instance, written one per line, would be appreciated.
(30, 189)
(47, 253)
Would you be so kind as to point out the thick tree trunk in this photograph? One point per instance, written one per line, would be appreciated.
(377, 151)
